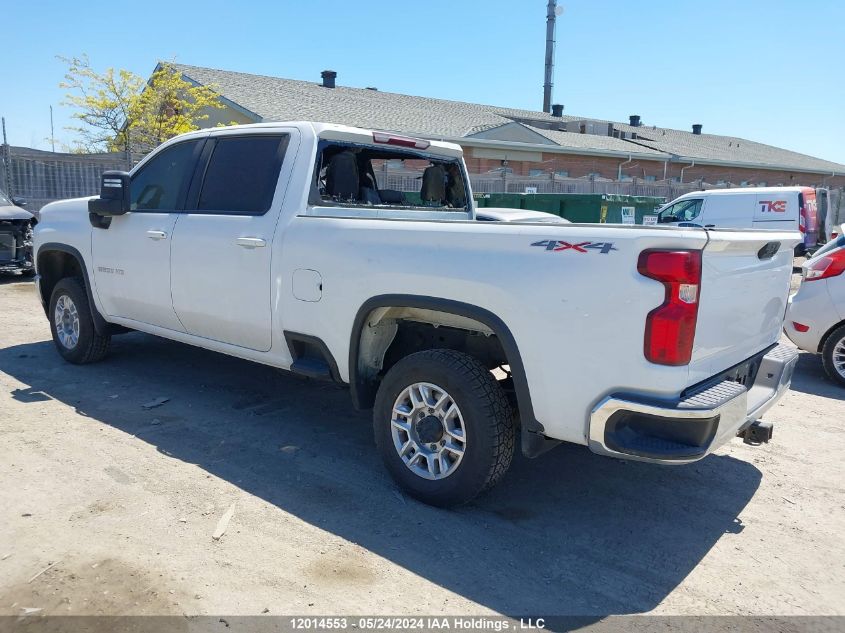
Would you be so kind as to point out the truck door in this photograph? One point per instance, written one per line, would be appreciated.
(222, 247)
(132, 256)
(730, 210)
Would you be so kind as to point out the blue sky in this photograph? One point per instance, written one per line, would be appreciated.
(767, 70)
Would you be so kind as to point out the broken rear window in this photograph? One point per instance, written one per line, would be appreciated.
(348, 174)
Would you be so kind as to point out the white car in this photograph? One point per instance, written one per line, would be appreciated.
(273, 243)
(502, 214)
(815, 318)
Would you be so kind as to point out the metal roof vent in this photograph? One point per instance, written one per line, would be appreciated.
(696, 128)
(328, 78)
(634, 120)
(557, 109)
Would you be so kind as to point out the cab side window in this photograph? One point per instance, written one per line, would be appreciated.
(242, 174)
(160, 184)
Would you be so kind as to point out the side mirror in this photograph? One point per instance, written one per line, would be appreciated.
(114, 195)
(18, 201)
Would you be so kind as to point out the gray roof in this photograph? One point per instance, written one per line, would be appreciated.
(727, 149)
(278, 99)
(598, 142)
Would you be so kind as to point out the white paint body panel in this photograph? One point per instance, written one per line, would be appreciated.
(819, 304)
(131, 268)
(577, 317)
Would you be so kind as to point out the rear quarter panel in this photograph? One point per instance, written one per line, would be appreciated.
(577, 314)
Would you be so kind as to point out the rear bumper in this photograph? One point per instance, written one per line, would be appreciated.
(687, 429)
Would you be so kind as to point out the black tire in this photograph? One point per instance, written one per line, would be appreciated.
(488, 418)
(90, 347)
(836, 337)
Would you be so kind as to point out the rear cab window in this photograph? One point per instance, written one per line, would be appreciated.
(365, 177)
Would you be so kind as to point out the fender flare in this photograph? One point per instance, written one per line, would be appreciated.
(101, 326)
(363, 393)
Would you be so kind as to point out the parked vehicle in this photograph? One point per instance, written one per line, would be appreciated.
(815, 318)
(16, 226)
(496, 214)
(773, 208)
(273, 243)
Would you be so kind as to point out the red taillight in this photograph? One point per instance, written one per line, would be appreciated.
(829, 265)
(670, 328)
(401, 141)
(800, 327)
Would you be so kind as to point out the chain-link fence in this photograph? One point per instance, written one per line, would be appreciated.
(41, 177)
(406, 180)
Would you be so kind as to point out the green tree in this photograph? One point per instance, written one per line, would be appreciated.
(120, 112)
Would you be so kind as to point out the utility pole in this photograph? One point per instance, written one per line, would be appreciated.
(552, 11)
(6, 163)
(52, 132)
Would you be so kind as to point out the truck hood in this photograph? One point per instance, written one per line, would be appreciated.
(11, 212)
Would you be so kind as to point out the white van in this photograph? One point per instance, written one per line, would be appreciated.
(780, 208)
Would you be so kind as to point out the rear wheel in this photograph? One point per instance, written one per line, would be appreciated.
(833, 355)
(72, 325)
(444, 427)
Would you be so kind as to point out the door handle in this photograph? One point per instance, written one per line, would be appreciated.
(250, 242)
(709, 226)
(157, 235)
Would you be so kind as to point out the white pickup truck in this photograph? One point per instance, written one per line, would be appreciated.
(276, 243)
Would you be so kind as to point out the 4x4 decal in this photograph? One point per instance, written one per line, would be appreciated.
(581, 247)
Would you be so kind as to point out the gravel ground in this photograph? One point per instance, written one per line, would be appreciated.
(109, 508)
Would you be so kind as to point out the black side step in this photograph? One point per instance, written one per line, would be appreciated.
(312, 368)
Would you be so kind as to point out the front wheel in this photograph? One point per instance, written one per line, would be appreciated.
(444, 427)
(72, 325)
(833, 355)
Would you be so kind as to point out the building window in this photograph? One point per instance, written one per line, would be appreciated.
(762, 183)
(721, 183)
(650, 178)
(743, 183)
(562, 173)
(626, 178)
(535, 172)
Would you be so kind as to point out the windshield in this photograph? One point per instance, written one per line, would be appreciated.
(4, 200)
(681, 211)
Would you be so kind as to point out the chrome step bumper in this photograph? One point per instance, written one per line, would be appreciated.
(685, 430)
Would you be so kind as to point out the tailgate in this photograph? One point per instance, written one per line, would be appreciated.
(742, 298)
